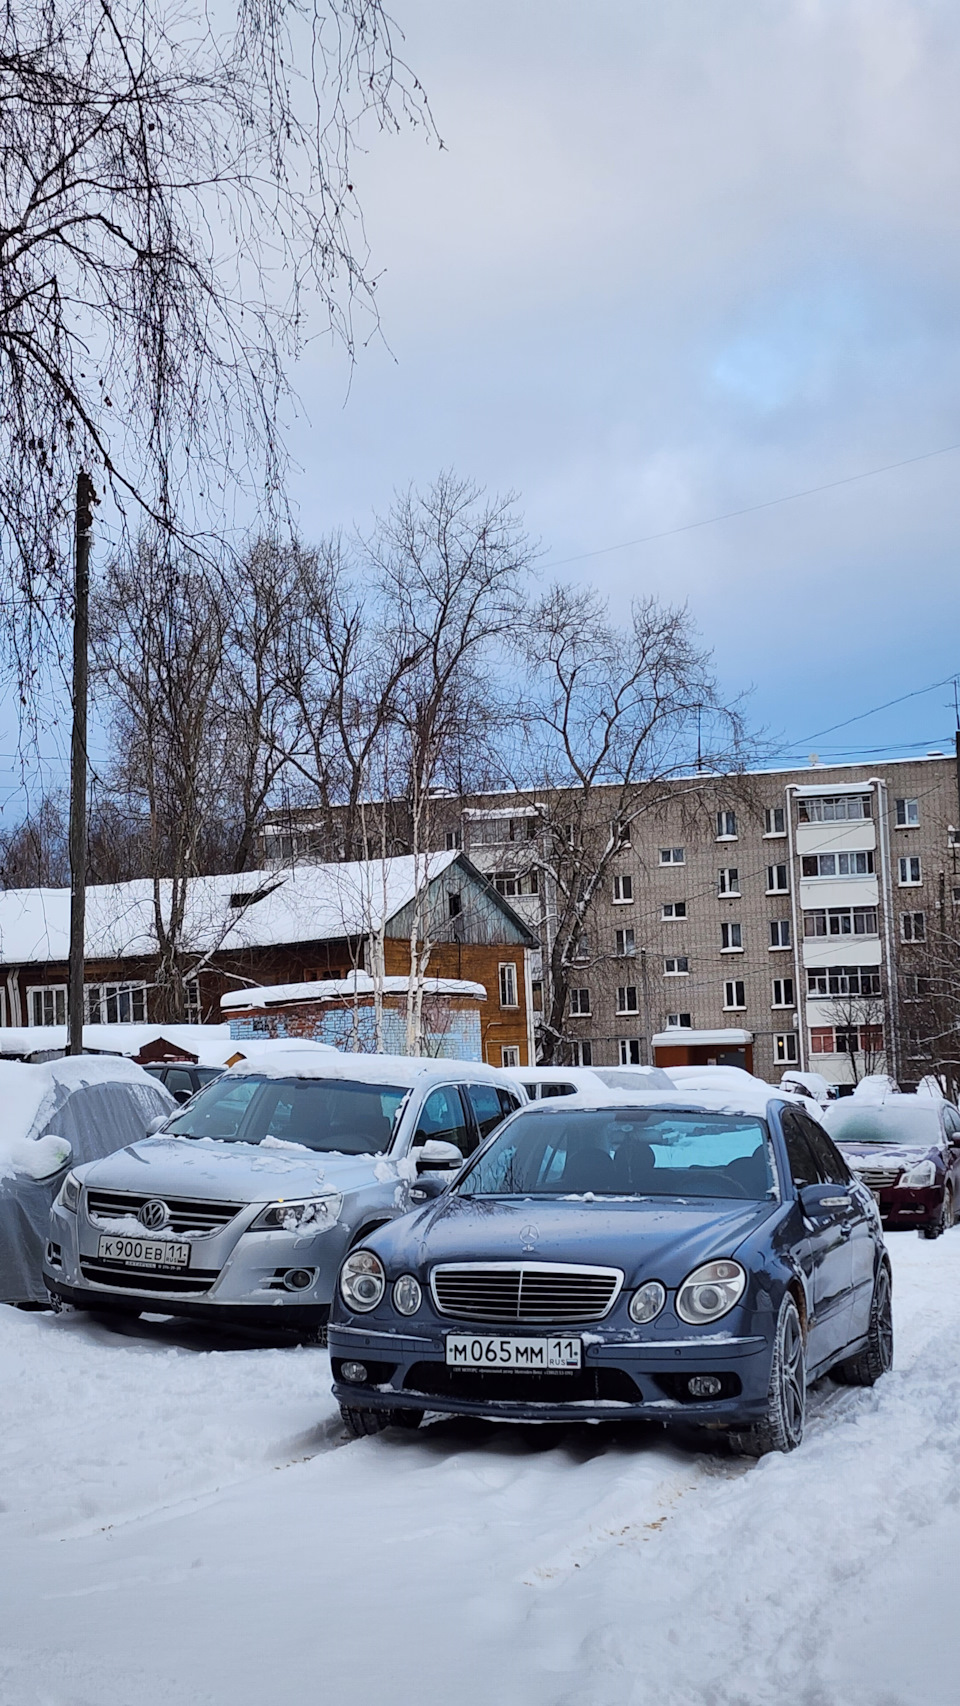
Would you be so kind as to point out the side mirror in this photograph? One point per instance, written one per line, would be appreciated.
(47, 1155)
(156, 1124)
(436, 1155)
(429, 1186)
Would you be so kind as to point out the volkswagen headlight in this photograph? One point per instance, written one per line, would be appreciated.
(647, 1302)
(407, 1296)
(710, 1291)
(309, 1214)
(362, 1281)
(916, 1178)
(69, 1194)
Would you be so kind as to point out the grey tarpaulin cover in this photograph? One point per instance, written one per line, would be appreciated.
(97, 1104)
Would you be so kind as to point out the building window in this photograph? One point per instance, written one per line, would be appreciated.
(908, 813)
(507, 883)
(679, 1021)
(731, 938)
(821, 1039)
(842, 808)
(621, 833)
(508, 985)
(454, 903)
(580, 949)
(840, 921)
(734, 993)
(582, 1054)
(115, 1003)
(626, 944)
(627, 999)
(536, 994)
(843, 980)
(629, 1051)
(909, 870)
(673, 856)
(785, 1051)
(726, 826)
(47, 1004)
(728, 880)
(509, 1054)
(453, 840)
(783, 992)
(677, 965)
(674, 909)
(579, 1002)
(777, 879)
(191, 995)
(622, 891)
(779, 932)
(775, 821)
(913, 926)
(837, 865)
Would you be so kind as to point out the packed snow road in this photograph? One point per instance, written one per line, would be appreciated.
(182, 1521)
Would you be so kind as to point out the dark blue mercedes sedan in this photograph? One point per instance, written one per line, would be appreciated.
(673, 1258)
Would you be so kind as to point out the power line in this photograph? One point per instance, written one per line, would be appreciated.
(751, 509)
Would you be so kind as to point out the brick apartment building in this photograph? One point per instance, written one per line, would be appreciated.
(765, 920)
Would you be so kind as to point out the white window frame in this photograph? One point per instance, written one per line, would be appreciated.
(731, 937)
(582, 1053)
(907, 863)
(727, 826)
(104, 993)
(453, 840)
(773, 887)
(679, 1022)
(669, 912)
(780, 947)
(509, 991)
(509, 1054)
(47, 989)
(907, 818)
(623, 890)
(580, 1007)
(728, 881)
(769, 816)
(628, 999)
(676, 965)
(780, 988)
(834, 861)
(786, 1049)
(908, 925)
(629, 1049)
(673, 855)
(734, 984)
(626, 943)
(191, 1001)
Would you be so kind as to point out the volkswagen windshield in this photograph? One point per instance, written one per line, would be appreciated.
(331, 1115)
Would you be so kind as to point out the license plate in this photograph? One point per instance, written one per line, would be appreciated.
(464, 1350)
(144, 1252)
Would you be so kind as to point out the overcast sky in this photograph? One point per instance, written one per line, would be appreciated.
(678, 258)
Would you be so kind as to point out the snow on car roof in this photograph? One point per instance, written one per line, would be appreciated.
(28, 1096)
(720, 1101)
(401, 1069)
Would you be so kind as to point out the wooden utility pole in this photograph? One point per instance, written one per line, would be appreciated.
(86, 498)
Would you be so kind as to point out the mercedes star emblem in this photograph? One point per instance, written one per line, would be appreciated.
(529, 1237)
(153, 1214)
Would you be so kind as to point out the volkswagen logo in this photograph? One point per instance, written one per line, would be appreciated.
(153, 1214)
(529, 1237)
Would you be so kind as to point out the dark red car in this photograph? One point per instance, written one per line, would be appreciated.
(906, 1149)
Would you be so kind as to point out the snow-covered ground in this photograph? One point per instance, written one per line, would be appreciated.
(183, 1522)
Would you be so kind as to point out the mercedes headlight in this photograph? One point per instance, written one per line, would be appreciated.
(647, 1302)
(308, 1214)
(918, 1177)
(69, 1194)
(710, 1291)
(362, 1281)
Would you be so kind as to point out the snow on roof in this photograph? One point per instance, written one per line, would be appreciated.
(201, 1040)
(680, 1036)
(29, 1096)
(303, 904)
(340, 988)
(743, 1099)
(400, 1069)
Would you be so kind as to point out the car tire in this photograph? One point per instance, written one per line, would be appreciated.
(782, 1427)
(876, 1358)
(313, 1335)
(360, 1423)
(938, 1227)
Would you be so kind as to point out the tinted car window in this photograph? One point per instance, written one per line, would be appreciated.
(487, 1107)
(325, 1114)
(804, 1168)
(442, 1119)
(179, 1082)
(632, 1152)
(830, 1162)
(508, 1103)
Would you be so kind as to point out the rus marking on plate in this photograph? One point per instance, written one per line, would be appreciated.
(529, 1237)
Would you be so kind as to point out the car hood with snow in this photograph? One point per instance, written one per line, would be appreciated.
(230, 1172)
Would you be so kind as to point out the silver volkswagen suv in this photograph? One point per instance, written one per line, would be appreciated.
(242, 1205)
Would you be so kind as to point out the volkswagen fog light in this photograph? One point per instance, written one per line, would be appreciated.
(646, 1303)
(312, 1214)
(362, 1281)
(354, 1373)
(407, 1296)
(710, 1291)
(918, 1178)
(69, 1196)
